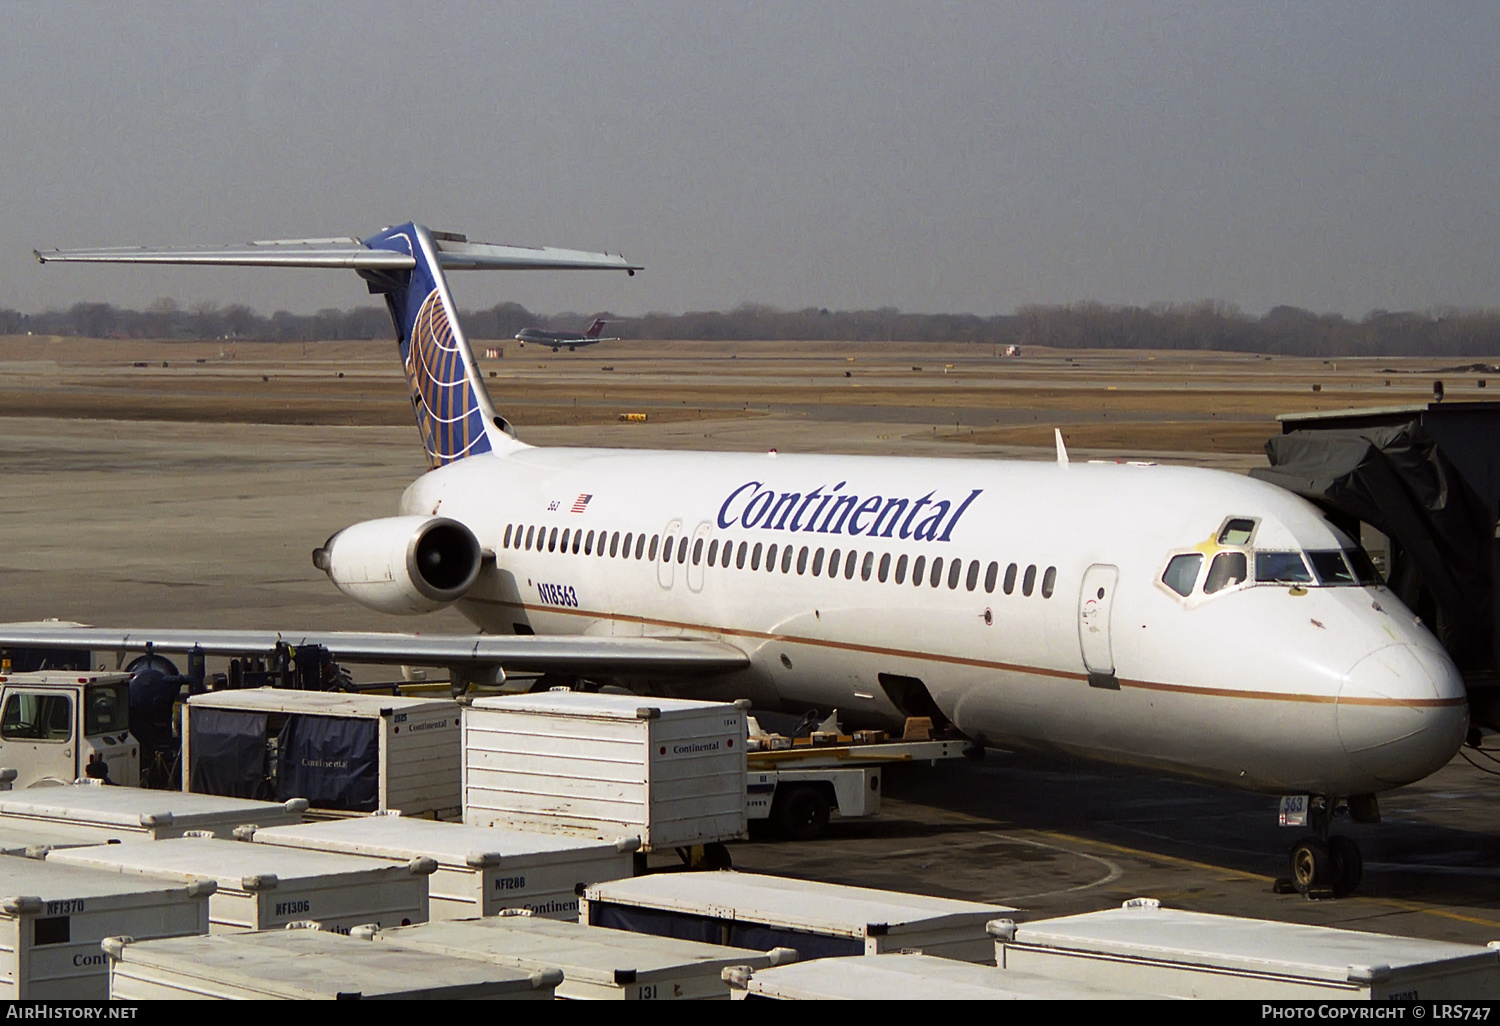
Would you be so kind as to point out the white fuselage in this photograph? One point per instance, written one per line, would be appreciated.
(1333, 690)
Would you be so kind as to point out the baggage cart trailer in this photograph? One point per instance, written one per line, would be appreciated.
(53, 917)
(343, 753)
(670, 771)
(799, 785)
(118, 811)
(263, 887)
(748, 910)
(1167, 952)
(480, 870)
(906, 976)
(306, 964)
(596, 963)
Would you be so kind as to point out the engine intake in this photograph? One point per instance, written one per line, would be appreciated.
(402, 564)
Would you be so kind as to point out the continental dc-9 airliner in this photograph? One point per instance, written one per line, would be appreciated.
(1181, 621)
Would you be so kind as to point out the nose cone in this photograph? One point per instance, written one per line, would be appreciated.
(1402, 713)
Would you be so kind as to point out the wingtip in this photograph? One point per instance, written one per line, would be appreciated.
(38, 254)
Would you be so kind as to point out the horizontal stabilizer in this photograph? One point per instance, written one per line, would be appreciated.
(352, 254)
(678, 657)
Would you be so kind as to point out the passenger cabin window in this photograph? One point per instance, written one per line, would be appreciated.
(1227, 570)
(755, 557)
(697, 551)
(506, 543)
(1028, 583)
(1281, 568)
(682, 550)
(614, 544)
(786, 558)
(640, 546)
(901, 569)
(1010, 579)
(990, 574)
(937, 571)
(588, 544)
(885, 568)
(651, 552)
(1049, 582)
(771, 557)
(867, 566)
(713, 552)
(801, 559)
(1330, 567)
(817, 566)
(739, 556)
(1236, 531)
(1182, 572)
(917, 567)
(955, 571)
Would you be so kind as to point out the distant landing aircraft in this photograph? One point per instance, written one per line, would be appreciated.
(557, 339)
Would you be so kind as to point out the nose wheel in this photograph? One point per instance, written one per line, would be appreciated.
(1330, 868)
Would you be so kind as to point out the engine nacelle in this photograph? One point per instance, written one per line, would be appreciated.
(402, 564)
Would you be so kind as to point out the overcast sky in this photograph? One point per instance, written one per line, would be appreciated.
(929, 156)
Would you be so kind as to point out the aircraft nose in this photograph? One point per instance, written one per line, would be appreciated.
(1402, 713)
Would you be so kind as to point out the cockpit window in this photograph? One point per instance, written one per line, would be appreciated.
(1227, 570)
(1330, 567)
(1236, 531)
(1182, 572)
(1364, 570)
(1281, 568)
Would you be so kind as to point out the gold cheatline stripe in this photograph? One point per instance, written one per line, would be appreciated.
(984, 664)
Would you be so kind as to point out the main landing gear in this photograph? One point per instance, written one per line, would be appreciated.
(1325, 865)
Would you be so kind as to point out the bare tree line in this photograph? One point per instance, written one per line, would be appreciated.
(1197, 326)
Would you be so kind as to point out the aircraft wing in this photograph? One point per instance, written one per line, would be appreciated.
(351, 253)
(577, 654)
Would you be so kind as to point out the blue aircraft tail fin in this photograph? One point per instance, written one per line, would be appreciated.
(454, 413)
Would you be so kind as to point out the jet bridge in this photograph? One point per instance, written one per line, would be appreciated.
(1419, 486)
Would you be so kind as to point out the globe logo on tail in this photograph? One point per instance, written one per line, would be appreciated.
(448, 413)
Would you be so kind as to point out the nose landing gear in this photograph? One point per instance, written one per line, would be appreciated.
(1323, 865)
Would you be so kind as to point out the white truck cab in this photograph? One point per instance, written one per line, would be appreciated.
(57, 726)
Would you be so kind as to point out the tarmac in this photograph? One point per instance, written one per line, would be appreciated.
(161, 522)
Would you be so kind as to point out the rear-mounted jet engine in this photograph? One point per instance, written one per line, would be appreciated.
(408, 564)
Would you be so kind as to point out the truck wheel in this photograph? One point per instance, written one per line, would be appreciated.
(802, 813)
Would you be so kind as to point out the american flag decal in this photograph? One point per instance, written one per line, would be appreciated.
(581, 503)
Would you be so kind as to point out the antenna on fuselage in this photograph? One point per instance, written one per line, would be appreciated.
(1062, 450)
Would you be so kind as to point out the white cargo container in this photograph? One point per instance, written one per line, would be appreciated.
(34, 840)
(596, 963)
(344, 753)
(262, 887)
(748, 910)
(481, 870)
(306, 964)
(115, 811)
(669, 771)
(898, 976)
(52, 919)
(1146, 948)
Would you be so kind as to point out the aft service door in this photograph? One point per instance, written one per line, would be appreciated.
(1095, 599)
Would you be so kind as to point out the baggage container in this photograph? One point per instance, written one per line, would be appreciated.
(262, 887)
(35, 840)
(1144, 947)
(480, 870)
(52, 919)
(343, 753)
(596, 963)
(897, 976)
(748, 910)
(306, 964)
(116, 811)
(669, 771)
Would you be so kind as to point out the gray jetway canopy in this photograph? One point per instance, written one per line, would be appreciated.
(1426, 477)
